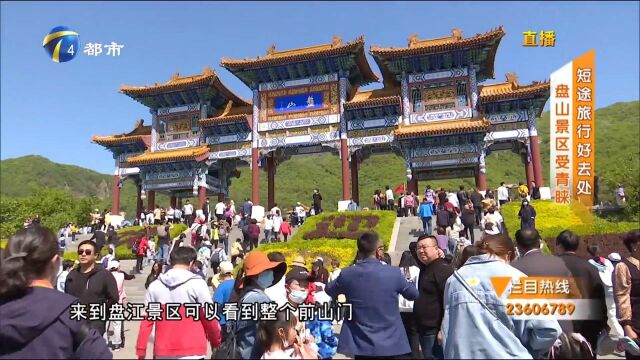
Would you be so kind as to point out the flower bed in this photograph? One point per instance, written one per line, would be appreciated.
(333, 236)
(552, 218)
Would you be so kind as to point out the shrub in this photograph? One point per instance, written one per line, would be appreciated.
(552, 218)
(3, 244)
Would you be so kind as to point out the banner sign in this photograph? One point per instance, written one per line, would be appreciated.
(572, 131)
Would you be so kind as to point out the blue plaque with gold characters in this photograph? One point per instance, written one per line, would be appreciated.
(61, 43)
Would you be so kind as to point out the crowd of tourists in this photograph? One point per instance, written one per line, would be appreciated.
(437, 302)
(429, 306)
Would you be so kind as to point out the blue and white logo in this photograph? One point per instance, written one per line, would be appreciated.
(61, 44)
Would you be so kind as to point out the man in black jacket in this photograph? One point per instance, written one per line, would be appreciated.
(100, 239)
(317, 201)
(589, 284)
(94, 286)
(429, 307)
(533, 262)
(476, 198)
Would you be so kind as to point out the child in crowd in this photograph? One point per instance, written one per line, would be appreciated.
(280, 340)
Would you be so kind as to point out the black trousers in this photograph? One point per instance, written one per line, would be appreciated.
(478, 211)
(139, 262)
(411, 328)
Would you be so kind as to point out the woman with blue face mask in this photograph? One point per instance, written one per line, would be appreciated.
(257, 274)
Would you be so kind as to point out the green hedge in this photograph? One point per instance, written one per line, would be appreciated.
(552, 218)
(344, 250)
(126, 237)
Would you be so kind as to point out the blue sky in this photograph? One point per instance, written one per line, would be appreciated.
(53, 109)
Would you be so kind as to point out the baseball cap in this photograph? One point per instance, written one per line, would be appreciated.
(297, 273)
(226, 267)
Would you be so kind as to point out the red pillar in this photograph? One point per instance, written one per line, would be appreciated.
(412, 186)
(255, 177)
(529, 171)
(220, 197)
(344, 153)
(202, 196)
(174, 202)
(139, 203)
(151, 200)
(481, 179)
(180, 203)
(535, 159)
(355, 186)
(271, 181)
(115, 206)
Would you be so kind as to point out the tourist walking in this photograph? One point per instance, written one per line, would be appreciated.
(535, 191)
(163, 232)
(533, 262)
(381, 313)
(67, 266)
(268, 228)
(409, 204)
(425, 211)
(317, 201)
(468, 221)
(223, 292)
(476, 199)
(605, 270)
(475, 324)
(319, 272)
(589, 284)
(627, 287)
(156, 270)
(187, 210)
(116, 340)
(527, 215)
(285, 228)
(100, 238)
(410, 270)
(429, 307)
(503, 194)
(257, 274)
(92, 284)
(179, 286)
(140, 250)
(36, 321)
(389, 195)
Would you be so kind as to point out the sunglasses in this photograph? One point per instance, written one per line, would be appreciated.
(85, 251)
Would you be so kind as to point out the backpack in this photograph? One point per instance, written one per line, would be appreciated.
(443, 217)
(215, 257)
(135, 248)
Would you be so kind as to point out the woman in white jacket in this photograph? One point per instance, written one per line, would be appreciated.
(410, 270)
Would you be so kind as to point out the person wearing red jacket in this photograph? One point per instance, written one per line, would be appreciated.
(176, 335)
(143, 246)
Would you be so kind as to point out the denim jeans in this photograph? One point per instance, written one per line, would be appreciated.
(430, 347)
(427, 227)
(267, 235)
(163, 252)
(452, 246)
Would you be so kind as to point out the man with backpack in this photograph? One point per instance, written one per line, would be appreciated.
(463, 196)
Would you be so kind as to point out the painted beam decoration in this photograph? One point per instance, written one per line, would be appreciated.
(307, 101)
(453, 114)
(573, 131)
(443, 174)
(178, 127)
(452, 73)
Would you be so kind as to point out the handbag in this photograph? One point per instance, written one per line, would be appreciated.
(229, 347)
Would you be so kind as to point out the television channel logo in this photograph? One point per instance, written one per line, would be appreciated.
(61, 43)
